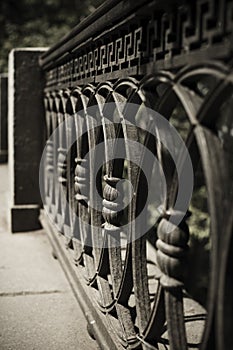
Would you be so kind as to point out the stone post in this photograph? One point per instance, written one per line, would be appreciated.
(3, 118)
(26, 129)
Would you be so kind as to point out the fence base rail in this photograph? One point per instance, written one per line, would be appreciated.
(96, 325)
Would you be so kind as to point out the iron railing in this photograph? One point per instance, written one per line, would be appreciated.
(154, 290)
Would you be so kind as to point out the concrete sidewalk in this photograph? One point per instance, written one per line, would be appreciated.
(37, 308)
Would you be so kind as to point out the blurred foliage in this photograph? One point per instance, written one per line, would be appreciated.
(38, 23)
(197, 280)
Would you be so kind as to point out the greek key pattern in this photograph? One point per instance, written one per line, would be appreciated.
(121, 53)
(166, 38)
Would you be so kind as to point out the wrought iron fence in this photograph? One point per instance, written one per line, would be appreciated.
(149, 288)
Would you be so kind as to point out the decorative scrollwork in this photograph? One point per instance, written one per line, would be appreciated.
(62, 166)
(50, 152)
(172, 249)
(112, 203)
(81, 185)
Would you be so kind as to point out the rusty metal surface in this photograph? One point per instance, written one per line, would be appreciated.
(154, 291)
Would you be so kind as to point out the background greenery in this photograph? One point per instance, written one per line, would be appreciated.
(31, 23)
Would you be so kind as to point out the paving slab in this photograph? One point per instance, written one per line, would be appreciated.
(38, 310)
(26, 264)
(41, 322)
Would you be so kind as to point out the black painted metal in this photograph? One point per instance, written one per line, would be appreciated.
(176, 58)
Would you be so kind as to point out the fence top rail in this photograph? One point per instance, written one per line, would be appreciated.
(101, 19)
(136, 38)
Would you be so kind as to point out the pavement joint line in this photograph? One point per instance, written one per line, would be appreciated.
(25, 293)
